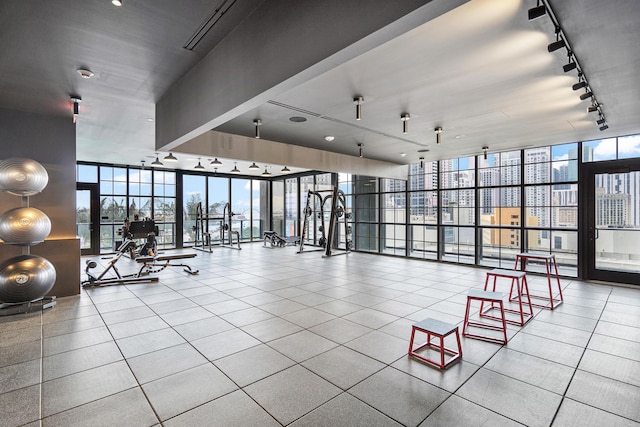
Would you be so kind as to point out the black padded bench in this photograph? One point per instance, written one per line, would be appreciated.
(158, 263)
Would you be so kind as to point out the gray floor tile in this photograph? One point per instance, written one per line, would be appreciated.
(20, 406)
(127, 408)
(70, 362)
(400, 396)
(560, 318)
(271, 329)
(371, 318)
(345, 410)
(507, 396)
(20, 352)
(225, 343)
(456, 411)
(380, 346)
(161, 363)
(246, 317)
(173, 305)
(71, 325)
(308, 317)
(229, 306)
(151, 341)
(253, 364)
(558, 333)
(20, 375)
(137, 327)
(234, 409)
(185, 390)
(279, 308)
(76, 340)
(202, 328)
(606, 394)
(339, 308)
(181, 317)
(343, 367)
(577, 414)
(302, 345)
(615, 346)
(618, 331)
(610, 366)
(449, 379)
(127, 315)
(340, 330)
(292, 393)
(83, 387)
(548, 349)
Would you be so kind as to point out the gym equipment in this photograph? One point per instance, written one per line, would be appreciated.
(118, 279)
(22, 177)
(145, 229)
(328, 240)
(24, 226)
(24, 279)
(204, 240)
(156, 264)
(276, 241)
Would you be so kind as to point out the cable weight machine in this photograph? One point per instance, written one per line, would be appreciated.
(203, 238)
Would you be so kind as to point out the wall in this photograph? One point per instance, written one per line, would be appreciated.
(52, 142)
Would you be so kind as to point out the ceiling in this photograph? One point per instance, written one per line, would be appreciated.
(481, 71)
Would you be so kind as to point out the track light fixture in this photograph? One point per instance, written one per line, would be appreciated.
(199, 165)
(571, 65)
(216, 162)
(257, 123)
(421, 162)
(601, 120)
(581, 84)
(537, 12)
(604, 127)
(586, 95)
(170, 158)
(76, 106)
(405, 122)
(558, 44)
(593, 108)
(157, 161)
(285, 169)
(358, 100)
(484, 152)
(360, 149)
(438, 131)
(235, 168)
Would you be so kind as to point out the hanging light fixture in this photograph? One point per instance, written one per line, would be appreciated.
(484, 150)
(360, 151)
(285, 169)
(199, 165)
(438, 131)
(266, 172)
(254, 166)
(170, 158)
(216, 162)
(235, 168)
(405, 122)
(537, 12)
(257, 123)
(157, 161)
(76, 106)
(358, 100)
(421, 162)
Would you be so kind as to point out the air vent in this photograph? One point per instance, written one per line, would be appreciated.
(297, 119)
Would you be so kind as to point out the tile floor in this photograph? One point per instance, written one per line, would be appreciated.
(266, 337)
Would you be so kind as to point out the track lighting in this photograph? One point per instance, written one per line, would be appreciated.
(360, 150)
(76, 106)
(254, 166)
(586, 95)
(570, 66)
(216, 162)
(438, 131)
(601, 120)
(157, 161)
(421, 162)
(537, 12)
(257, 123)
(285, 169)
(559, 43)
(592, 108)
(170, 158)
(604, 127)
(405, 122)
(199, 165)
(266, 172)
(484, 151)
(358, 100)
(235, 168)
(579, 85)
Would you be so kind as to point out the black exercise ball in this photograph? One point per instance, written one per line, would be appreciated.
(25, 278)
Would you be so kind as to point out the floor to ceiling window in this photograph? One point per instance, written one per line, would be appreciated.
(423, 210)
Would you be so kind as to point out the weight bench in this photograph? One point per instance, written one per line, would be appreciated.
(158, 263)
(275, 240)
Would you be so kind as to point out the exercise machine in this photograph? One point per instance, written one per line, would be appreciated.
(203, 237)
(328, 241)
(276, 241)
(145, 229)
(116, 279)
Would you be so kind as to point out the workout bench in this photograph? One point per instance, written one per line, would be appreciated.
(275, 240)
(156, 264)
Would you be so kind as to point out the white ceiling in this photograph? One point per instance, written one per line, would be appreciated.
(482, 72)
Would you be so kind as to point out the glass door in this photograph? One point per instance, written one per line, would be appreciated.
(613, 222)
(87, 218)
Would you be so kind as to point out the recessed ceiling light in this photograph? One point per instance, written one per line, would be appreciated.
(403, 154)
(329, 138)
(117, 2)
(459, 136)
(149, 119)
(297, 119)
(85, 73)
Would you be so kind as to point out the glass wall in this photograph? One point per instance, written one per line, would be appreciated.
(423, 210)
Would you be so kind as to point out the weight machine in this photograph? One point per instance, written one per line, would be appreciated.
(338, 212)
(203, 239)
(145, 229)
